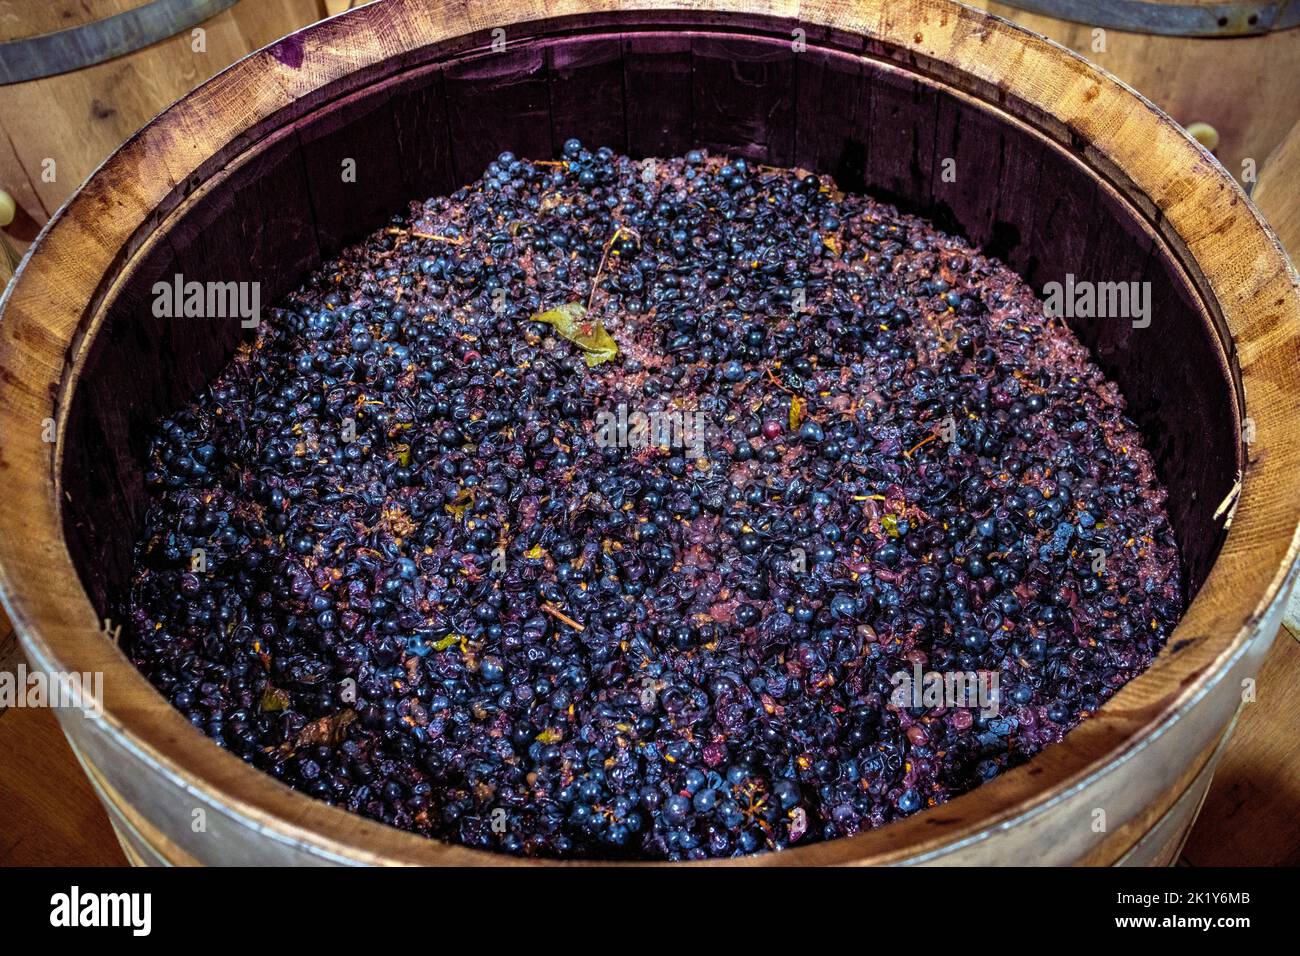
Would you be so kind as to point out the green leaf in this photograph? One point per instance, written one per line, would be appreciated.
(570, 321)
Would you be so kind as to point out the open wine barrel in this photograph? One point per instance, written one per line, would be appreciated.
(1232, 66)
(1060, 170)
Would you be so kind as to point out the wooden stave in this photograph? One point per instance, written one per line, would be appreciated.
(1275, 193)
(807, 855)
(1276, 198)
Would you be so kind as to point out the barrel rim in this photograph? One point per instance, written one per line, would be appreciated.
(58, 290)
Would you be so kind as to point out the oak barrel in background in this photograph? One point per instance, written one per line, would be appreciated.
(1060, 169)
(1277, 195)
(1234, 66)
(78, 77)
(1256, 789)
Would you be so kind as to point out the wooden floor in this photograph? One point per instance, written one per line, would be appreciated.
(49, 815)
(1252, 813)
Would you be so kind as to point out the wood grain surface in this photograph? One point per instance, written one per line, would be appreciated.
(76, 119)
(1277, 195)
(48, 812)
(1278, 198)
(1252, 814)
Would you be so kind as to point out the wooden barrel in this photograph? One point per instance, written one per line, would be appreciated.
(1276, 194)
(1278, 199)
(77, 77)
(1252, 799)
(1060, 169)
(1234, 66)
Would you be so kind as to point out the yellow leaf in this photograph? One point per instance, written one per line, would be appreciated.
(570, 321)
(273, 698)
(797, 405)
(463, 501)
(446, 642)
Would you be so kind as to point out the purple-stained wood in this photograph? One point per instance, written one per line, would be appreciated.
(1169, 386)
(903, 118)
(832, 118)
(743, 97)
(423, 133)
(497, 102)
(353, 166)
(970, 155)
(657, 84)
(280, 243)
(586, 88)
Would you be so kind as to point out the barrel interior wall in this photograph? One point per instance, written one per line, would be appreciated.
(285, 206)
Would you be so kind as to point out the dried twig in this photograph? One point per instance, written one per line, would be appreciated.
(559, 615)
(924, 441)
(604, 256)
